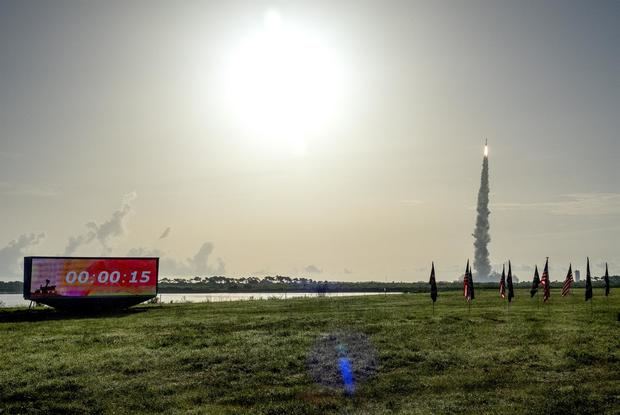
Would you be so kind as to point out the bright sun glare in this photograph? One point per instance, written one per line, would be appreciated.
(283, 84)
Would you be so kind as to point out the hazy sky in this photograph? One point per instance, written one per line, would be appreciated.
(332, 140)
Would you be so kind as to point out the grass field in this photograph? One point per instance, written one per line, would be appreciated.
(252, 357)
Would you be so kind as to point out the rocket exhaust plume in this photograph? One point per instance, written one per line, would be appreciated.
(481, 234)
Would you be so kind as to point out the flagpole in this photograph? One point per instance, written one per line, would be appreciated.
(592, 306)
(433, 308)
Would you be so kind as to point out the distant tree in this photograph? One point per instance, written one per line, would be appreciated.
(219, 279)
(253, 280)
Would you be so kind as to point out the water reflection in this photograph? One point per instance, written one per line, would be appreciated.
(17, 300)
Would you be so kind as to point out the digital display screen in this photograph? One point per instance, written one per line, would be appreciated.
(92, 277)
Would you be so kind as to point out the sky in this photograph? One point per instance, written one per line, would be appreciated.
(335, 141)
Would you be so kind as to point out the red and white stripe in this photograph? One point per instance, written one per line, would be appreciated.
(568, 282)
(466, 287)
(502, 285)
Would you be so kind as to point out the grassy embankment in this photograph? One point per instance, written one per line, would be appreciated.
(252, 357)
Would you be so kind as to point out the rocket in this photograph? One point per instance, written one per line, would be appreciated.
(486, 147)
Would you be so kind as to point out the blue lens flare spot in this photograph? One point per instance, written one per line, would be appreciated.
(342, 360)
(347, 375)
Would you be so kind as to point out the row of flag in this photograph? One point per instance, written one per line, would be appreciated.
(568, 282)
(506, 289)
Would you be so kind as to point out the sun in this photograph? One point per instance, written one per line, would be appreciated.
(283, 84)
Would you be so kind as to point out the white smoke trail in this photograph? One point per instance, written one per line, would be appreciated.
(481, 235)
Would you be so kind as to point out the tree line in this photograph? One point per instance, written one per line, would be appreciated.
(282, 284)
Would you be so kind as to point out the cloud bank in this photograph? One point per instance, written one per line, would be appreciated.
(12, 254)
(198, 265)
(313, 269)
(103, 233)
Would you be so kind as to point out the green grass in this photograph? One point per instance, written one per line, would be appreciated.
(252, 357)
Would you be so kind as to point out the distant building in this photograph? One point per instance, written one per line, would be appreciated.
(577, 275)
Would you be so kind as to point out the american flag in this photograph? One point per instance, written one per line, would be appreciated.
(433, 284)
(511, 292)
(468, 284)
(545, 282)
(535, 283)
(568, 282)
(588, 282)
(606, 279)
(502, 283)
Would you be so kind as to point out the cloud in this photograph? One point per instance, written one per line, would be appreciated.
(11, 255)
(114, 227)
(197, 265)
(348, 271)
(165, 233)
(144, 252)
(523, 268)
(313, 269)
(200, 261)
(575, 204)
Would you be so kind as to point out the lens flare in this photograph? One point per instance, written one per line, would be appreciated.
(347, 375)
(342, 360)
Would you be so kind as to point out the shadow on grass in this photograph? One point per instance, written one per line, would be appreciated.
(50, 314)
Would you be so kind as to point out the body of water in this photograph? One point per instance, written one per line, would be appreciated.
(17, 300)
